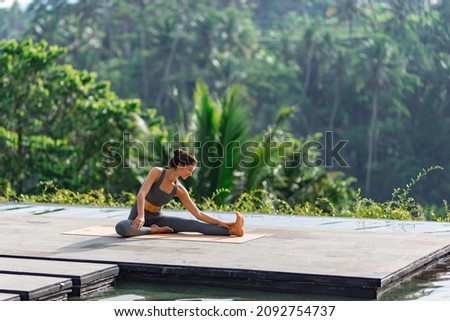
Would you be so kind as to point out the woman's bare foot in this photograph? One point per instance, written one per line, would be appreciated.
(237, 228)
(158, 230)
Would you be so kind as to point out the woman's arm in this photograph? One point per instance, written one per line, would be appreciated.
(152, 177)
(192, 208)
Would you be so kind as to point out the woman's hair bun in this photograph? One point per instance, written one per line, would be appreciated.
(182, 157)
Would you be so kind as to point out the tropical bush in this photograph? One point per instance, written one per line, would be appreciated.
(401, 207)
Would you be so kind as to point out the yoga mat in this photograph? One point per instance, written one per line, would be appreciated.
(109, 231)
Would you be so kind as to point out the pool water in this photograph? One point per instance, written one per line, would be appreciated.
(170, 291)
(431, 284)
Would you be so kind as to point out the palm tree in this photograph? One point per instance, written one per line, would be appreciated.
(348, 10)
(339, 73)
(266, 154)
(382, 71)
(219, 127)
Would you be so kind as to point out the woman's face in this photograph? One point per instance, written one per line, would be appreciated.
(186, 171)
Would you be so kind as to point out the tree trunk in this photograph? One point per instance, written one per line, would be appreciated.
(337, 99)
(371, 140)
(168, 66)
(21, 158)
(307, 79)
(143, 47)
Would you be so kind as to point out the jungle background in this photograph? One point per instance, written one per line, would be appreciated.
(95, 93)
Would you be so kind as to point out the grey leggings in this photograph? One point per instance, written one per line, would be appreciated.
(126, 228)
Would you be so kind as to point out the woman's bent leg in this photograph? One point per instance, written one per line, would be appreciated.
(179, 224)
(126, 228)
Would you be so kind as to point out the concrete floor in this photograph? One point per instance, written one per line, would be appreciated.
(351, 257)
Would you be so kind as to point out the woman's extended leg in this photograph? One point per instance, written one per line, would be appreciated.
(188, 225)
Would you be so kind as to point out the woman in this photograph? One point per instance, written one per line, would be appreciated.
(158, 189)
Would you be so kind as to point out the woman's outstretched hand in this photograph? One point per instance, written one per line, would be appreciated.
(226, 225)
(138, 222)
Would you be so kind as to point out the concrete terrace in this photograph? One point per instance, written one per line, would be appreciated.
(357, 258)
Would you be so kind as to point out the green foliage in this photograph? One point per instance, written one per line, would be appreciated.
(7, 193)
(51, 194)
(375, 74)
(446, 216)
(13, 22)
(367, 208)
(401, 207)
(214, 201)
(55, 119)
(267, 153)
(219, 127)
(401, 197)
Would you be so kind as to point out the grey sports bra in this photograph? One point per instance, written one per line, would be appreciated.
(156, 196)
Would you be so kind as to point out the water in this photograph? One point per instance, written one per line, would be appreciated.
(431, 284)
(171, 291)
